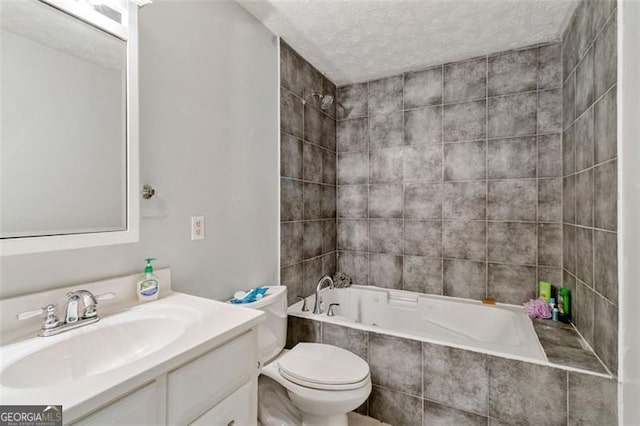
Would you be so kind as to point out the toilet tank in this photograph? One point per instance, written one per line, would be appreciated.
(272, 333)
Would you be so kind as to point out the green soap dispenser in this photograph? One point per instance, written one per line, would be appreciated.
(148, 285)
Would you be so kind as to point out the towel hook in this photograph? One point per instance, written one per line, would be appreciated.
(147, 192)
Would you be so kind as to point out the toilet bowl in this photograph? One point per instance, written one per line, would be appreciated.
(312, 384)
(323, 382)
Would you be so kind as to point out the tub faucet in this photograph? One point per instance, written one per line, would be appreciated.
(317, 307)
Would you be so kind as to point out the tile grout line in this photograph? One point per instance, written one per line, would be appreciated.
(303, 139)
(456, 142)
(486, 176)
(304, 264)
(434, 182)
(493, 262)
(538, 225)
(595, 101)
(567, 391)
(442, 172)
(402, 284)
(592, 289)
(435, 220)
(368, 185)
(562, 88)
(593, 190)
(336, 255)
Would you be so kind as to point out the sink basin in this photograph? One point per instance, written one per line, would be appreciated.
(90, 351)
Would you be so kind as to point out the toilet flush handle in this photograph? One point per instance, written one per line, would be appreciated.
(330, 312)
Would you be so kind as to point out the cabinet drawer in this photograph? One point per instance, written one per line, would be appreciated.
(234, 410)
(202, 383)
(142, 407)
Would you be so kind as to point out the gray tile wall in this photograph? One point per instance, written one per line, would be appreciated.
(308, 176)
(417, 383)
(450, 178)
(590, 174)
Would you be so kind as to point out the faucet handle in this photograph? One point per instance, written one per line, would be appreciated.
(305, 308)
(30, 314)
(50, 321)
(90, 308)
(105, 296)
(330, 312)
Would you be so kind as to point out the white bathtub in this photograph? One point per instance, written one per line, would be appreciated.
(502, 330)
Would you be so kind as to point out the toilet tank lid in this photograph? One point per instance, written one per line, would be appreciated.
(274, 293)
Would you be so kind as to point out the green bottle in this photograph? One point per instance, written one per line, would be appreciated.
(564, 304)
(148, 285)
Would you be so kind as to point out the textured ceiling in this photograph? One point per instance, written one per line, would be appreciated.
(357, 40)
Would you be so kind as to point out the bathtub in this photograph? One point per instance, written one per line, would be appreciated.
(501, 329)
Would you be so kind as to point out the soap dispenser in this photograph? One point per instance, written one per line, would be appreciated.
(148, 285)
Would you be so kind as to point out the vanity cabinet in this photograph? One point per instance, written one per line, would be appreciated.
(197, 386)
(230, 412)
(137, 408)
(216, 388)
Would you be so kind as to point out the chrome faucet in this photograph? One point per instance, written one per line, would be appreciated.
(317, 307)
(89, 301)
(72, 317)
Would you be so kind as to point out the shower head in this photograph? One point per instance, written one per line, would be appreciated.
(325, 100)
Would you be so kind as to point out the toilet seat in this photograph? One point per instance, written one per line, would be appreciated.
(323, 367)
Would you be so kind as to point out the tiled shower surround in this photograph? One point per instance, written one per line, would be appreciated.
(308, 176)
(450, 178)
(476, 178)
(590, 175)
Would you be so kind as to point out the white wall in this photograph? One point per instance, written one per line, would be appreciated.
(629, 208)
(209, 144)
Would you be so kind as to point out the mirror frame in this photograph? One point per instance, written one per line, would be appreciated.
(128, 33)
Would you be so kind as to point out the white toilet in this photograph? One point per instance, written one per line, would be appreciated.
(312, 384)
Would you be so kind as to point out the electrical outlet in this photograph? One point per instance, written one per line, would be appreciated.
(197, 228)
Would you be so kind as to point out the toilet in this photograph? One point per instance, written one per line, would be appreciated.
(312, 384)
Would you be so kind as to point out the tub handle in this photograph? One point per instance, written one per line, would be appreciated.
(305, 308)
(330, 312)
(403, 297)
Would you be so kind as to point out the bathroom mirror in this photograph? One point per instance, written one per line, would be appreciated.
(68, 119)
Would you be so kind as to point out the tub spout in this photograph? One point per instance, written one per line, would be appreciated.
(317, 306)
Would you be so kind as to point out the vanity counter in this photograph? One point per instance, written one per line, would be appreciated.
(133, 345)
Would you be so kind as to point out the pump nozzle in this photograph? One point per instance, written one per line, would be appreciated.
(149, 269)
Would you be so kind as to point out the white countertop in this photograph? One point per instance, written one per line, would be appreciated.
(207, 324)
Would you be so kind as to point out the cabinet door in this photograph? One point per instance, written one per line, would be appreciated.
(141, 407)
(199, 385)
(234, 410)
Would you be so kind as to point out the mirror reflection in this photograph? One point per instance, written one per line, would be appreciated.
(63, 146)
